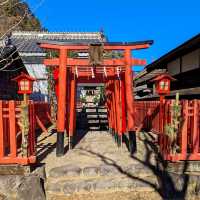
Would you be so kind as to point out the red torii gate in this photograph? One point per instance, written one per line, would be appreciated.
(115, 73)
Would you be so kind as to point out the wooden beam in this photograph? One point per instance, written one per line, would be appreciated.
(2, 141)
(41, 125)
(85, 62)
(86, 47)
(129, 92)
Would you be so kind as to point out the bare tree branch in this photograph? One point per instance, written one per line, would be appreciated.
(21, 2)
(14, 26)
(26, 14)
(4, 3)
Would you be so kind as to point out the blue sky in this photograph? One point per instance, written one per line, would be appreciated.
(167, 22)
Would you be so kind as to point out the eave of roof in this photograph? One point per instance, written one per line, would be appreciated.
(85, 42)
(180, 50)
(10, 59)
(22, 76)
(140, 74)
(182, 92)
(161, 76)
(149, 76)
(27, 42)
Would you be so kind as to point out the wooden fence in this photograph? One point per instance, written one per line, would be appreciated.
(10, 133)
(148, 118)
(42, 115)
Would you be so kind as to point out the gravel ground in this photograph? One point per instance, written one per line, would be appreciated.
(88, 152)
(98, 148)
(113, 196)
(119, 196)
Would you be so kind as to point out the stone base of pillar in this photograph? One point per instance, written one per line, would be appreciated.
(115, 136)
(119, 140)
(132, 142)
(60, 144)
(112, 132)
(71, 142)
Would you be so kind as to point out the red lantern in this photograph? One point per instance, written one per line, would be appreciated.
(163, 83)
(25, 83)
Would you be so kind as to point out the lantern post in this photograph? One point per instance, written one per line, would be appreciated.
(162, 86)
(25, 87)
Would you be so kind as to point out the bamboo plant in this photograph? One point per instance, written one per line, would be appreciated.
(172, 129)
(23, 123)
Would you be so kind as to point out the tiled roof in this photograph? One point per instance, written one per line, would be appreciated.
(150, 75)
(6, 51)
(182, 92)
(140, 74)
(28, 41)
(37, 71)
(58, 35)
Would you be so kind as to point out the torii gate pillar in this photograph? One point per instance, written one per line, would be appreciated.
(72, 111)
(130, 100)
(62, 89)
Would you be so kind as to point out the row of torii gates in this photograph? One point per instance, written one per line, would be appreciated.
(115, 73)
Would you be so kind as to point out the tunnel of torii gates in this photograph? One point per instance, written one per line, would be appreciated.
(116, 74)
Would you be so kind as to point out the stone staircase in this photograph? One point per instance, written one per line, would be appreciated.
(97, 169)
(69, 179)
(98, 166)
(93, 118)
(97, 118)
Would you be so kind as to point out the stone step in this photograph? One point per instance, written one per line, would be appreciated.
(104, 170)
(96, 113)
(96, 109)
(95, 118)
(110, 195)
(94, 128)
(97, 121)
(69, 187)
(102, 116)
(93, 109)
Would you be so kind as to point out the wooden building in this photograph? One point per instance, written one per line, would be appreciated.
(32, 55)
(183, 63)
(11, 65)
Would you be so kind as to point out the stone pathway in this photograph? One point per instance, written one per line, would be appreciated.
(95, 168)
